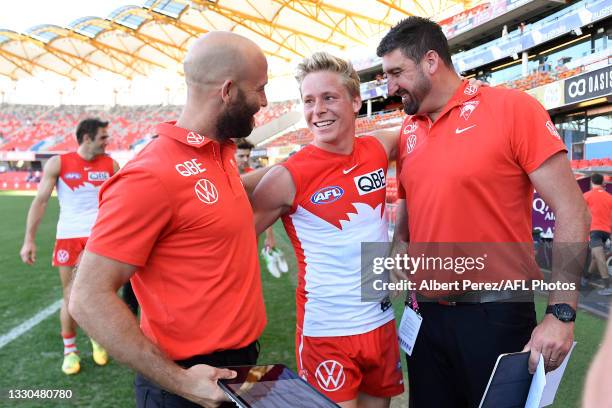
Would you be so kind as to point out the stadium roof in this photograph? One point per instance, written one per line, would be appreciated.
(133, 40)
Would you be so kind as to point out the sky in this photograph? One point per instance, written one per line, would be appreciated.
(19, 15)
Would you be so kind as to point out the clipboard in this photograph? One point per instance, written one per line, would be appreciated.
(510, 381)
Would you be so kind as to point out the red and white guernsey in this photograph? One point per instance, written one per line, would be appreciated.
(77, 190)
(339, 203)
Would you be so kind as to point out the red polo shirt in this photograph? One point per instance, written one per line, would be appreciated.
(600, 205)
(465, 176)
(179, 212)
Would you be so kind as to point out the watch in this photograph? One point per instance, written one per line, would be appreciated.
(562, 311)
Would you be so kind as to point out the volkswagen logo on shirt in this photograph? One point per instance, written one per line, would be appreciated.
(411, 143)
(206, 191)
(330, 375)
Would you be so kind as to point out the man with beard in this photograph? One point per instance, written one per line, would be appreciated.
(77, 176)
(489, 147)
(168, 222)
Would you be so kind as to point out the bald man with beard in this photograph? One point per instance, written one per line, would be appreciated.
(168, 222)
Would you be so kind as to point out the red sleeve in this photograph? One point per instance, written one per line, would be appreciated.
(134, 209)
(534, 137)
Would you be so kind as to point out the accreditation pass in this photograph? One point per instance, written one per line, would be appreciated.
(409, 329)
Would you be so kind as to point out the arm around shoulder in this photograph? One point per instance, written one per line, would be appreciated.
(273, 197)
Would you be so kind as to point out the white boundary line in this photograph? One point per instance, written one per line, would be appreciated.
(30, 323)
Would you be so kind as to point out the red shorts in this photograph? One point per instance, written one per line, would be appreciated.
(341, 367)
(67, 252)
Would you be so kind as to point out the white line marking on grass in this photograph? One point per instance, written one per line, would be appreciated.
(28, 324)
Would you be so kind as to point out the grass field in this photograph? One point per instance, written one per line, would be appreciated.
(33, 360)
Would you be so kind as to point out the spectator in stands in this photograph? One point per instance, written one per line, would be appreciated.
(177, 220)
(599, 202)
(77, 177)
(462, 335)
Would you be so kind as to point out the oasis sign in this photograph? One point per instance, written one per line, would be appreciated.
(588, 86)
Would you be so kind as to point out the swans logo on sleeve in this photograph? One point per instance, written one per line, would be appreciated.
(327, 195)
(467, 108)
(411, 128)
(370, 182)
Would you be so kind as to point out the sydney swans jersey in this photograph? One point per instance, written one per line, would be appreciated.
(339, 203)
(77, 190)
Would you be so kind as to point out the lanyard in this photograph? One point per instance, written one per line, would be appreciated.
(413, 302)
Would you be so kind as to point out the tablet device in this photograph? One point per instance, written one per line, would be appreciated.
(272, 386)
(509, 383)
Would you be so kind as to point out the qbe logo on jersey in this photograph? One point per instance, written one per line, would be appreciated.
(368, 183)
(98, 176)
(330, 375)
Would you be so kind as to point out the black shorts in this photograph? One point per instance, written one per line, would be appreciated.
(598, 238)
(149, 395)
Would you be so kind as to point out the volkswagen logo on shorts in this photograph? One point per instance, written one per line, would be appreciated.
(62, 256)
(206, 191)
(194, 139)
(330, 375)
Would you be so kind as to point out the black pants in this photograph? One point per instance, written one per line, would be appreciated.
(457, 347)
(149, 395)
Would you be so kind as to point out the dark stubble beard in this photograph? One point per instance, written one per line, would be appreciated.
(236, 121)
(421, 89)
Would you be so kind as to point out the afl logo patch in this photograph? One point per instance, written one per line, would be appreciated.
(327, 195)
(72, 176)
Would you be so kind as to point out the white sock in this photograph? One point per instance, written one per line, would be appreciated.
(69, 343)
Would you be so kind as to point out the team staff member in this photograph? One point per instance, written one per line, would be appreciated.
(77, 176)
(468, 161)
(331, 197)
(168, 221)
(599, 202)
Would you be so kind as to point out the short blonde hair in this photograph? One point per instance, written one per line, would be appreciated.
(323, 61)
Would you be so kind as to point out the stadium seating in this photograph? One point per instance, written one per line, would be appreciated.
(45, 128)
(18, 180)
